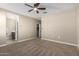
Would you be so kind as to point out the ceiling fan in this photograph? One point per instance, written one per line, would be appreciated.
(35, 7)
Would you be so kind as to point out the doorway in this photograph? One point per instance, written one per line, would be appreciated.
(38, 28)
(11, 26)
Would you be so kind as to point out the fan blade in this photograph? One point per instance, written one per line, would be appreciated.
(30, 10)
(41, 8)
(37, 12)
(29, 5)
(36, 4)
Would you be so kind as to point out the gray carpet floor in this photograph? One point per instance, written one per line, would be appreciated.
(37, 47)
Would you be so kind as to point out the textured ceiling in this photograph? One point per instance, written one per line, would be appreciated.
(50, 8)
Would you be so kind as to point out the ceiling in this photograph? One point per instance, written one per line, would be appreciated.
(50, 8)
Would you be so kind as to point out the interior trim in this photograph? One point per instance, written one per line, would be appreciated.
(16, 42)
(59, 42)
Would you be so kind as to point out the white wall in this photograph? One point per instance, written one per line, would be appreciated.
(2, 25)
(27, 27)
(78, 26)
(60, 26)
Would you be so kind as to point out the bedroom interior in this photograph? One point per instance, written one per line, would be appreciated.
(39, 29)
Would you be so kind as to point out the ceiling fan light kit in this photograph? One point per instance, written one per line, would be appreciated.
(35, 7)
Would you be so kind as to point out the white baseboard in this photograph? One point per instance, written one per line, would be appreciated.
(3, 45)
(41, 38)
(16, 42)
(24, 40)
(60, 42)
